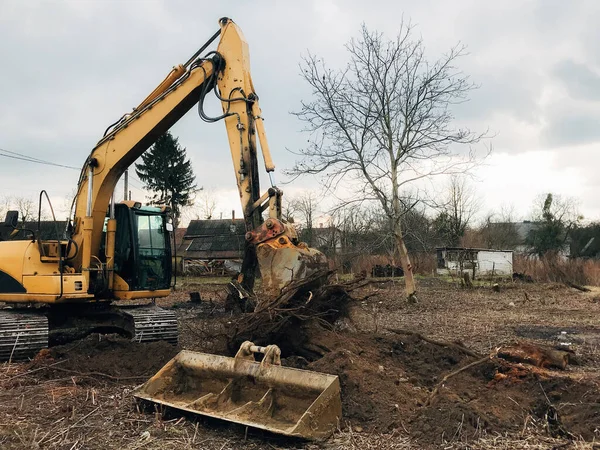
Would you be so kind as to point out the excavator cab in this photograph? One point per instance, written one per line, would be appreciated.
(142, 246)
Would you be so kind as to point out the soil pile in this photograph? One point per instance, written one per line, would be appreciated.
(387, 383)
(112, 355)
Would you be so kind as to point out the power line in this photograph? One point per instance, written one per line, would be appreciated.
(131, 177)
(20, 154)
(22, 157)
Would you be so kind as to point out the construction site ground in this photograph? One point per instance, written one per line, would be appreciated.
(78, 396)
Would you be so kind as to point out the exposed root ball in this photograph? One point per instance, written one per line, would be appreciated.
(291, 317)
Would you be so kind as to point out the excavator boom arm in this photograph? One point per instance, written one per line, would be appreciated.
(184, 86)
(225, 71)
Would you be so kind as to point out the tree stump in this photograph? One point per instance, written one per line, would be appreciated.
(195, 297)
(523, 352)
(466, 279)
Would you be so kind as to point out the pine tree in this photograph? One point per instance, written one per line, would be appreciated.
(167, 172)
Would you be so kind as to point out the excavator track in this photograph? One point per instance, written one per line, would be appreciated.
(153, 324)
(22, 335)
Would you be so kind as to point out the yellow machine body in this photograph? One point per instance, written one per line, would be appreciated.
(40, 282)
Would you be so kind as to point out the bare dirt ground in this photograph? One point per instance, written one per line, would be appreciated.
(79, 395)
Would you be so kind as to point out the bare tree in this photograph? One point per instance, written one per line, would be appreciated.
(288, 210)
(305, 207)
(499, 229)
(458, 209)
(4, 206)
(359, 233)
(27, 208)
(419, 233)
(203, 206)
(385, 122)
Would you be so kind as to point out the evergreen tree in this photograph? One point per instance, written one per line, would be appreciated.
(167, 172)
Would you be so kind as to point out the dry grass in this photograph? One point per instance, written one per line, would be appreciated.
(483, 319)
(555, 269)
(534, 442)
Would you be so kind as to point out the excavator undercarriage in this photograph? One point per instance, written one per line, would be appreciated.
(25, 331)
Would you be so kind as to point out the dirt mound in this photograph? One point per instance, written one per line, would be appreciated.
(387, 383)
(111, 355)
(384, 379)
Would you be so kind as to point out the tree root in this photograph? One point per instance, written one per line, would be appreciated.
(455, 345)
(456, 372)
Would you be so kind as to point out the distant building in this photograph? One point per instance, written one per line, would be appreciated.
(210, 243)
(478, 262)
(523, 230)
(524, 235)
(327, 239)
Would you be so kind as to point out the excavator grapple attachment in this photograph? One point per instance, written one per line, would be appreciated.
(263, 395)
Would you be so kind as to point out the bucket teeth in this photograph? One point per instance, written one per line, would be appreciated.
(153, 324)
(22, 335)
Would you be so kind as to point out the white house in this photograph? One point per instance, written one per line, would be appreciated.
(479, 262)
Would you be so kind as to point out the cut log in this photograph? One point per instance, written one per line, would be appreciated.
(577, 286)
(545, 357)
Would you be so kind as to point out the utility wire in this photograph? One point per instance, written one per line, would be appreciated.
(22, 157)
(20, 154)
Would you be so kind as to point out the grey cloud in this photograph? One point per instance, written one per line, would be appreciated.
(580, 80)
(571, 128)
(514, 91)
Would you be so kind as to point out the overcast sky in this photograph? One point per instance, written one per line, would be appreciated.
(70, 68)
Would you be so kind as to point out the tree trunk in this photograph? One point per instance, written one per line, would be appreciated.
(409, 279)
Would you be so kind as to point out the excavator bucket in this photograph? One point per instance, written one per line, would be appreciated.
(263, 395)
(282, 258)
(281, 262)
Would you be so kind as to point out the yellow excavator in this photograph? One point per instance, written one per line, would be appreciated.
(121, 251)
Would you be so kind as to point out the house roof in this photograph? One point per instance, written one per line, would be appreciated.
(471, 249)
(214, 239)
(216, 243)
(524, 228)
(221, 227)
